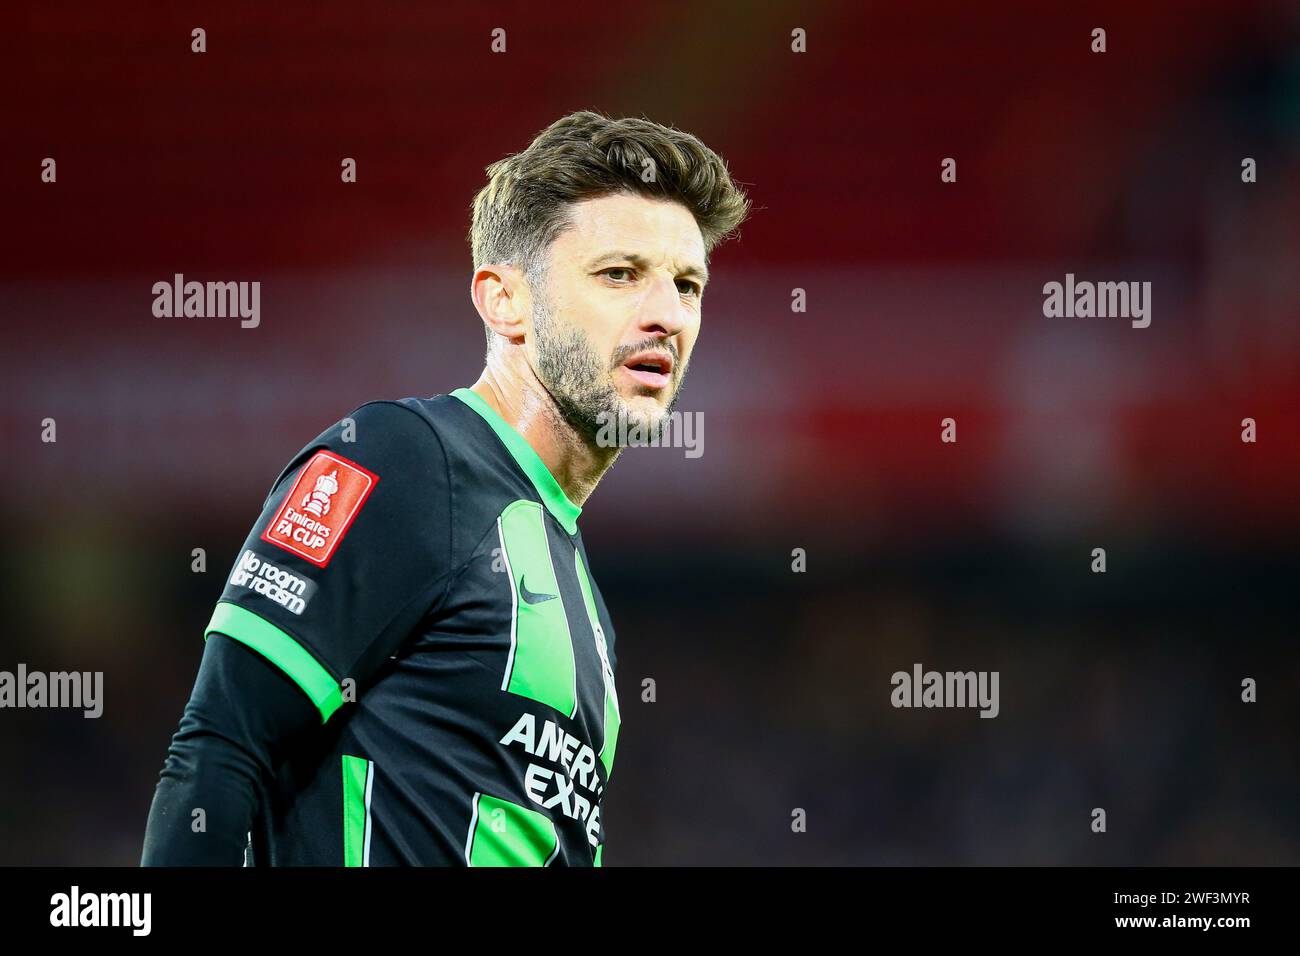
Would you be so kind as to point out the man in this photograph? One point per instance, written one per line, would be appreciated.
(411, 662)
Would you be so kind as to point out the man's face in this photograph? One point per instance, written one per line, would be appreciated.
(619, 312)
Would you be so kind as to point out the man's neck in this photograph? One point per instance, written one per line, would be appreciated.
(575, 461)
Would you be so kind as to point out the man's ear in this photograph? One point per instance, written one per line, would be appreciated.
(500, 293)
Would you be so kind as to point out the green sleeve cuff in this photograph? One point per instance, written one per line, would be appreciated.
(281, 650)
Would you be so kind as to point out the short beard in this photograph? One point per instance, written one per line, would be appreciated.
(581, 388)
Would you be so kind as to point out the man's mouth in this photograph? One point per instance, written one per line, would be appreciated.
(651, 369)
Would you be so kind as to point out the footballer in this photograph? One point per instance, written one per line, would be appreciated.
(411, 662)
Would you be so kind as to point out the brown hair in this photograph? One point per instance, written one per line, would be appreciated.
(524, 205)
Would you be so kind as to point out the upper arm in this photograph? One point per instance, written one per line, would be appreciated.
(352, 547)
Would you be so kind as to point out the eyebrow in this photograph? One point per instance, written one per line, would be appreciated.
(695, 272)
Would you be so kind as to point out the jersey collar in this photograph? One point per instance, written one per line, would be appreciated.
(552, 495)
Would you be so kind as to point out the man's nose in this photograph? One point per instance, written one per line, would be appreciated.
(662, 311)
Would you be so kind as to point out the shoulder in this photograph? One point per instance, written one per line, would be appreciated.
(383, 420)
(403, 431)
(442, 420)
(394, 441)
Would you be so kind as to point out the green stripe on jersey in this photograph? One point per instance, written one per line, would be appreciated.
(356, 809)
(505, 834)
(280, 649)
(612, 719)
(540, 665)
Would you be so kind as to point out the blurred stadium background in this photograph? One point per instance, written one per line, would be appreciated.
(821, 429)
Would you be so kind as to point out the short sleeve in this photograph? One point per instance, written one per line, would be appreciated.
(351, 550)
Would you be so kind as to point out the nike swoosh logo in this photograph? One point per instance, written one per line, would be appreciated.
(532, 597)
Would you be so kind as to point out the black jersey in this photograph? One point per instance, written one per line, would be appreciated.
(419, 574)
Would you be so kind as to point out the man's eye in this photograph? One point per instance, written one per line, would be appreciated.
(685, 286)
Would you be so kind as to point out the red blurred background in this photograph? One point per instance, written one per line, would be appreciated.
(822, 427)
